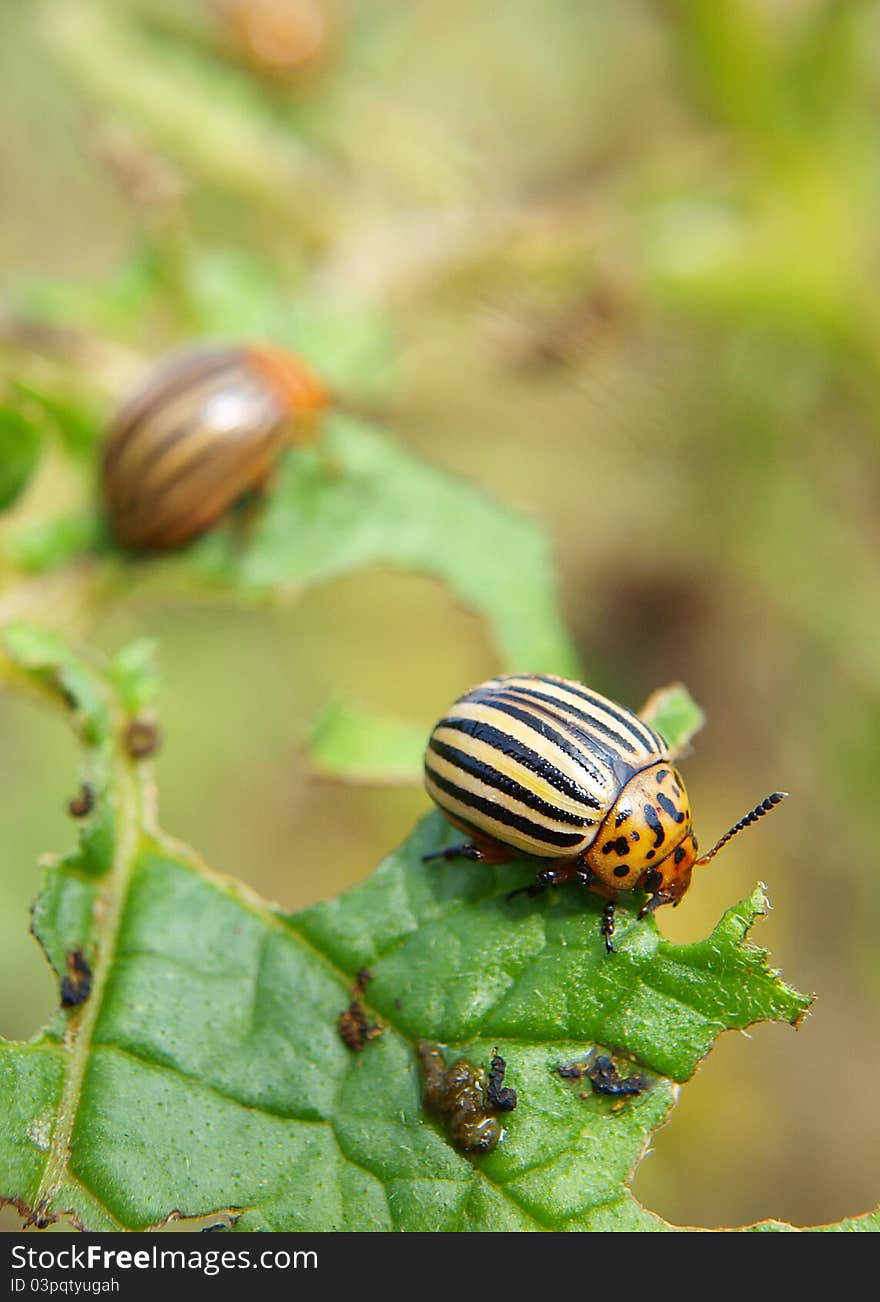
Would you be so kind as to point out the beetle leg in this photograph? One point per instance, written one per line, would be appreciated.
(606, 927)
(655, 902)
(546, 877)
(467, 850)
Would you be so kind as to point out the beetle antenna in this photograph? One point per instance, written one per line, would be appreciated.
(752, 817)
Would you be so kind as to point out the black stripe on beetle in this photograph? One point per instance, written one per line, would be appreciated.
(501, 814)
(615, 763)
(543, 729)
(646, 736)
(530, 759)
(577, 717)
(171, 378)
(490, 777)
(548, 721)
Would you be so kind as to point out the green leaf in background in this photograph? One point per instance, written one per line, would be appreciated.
(19, 452)
(72, 414)
(211, 123)
(134, 676)
(205, 1072)
(349, 340)
(359, 499)
(674, 713)
(358, 744)
(37, 546)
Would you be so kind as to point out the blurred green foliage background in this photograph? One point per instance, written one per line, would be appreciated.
(616, 261)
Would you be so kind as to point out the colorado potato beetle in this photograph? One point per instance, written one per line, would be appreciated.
(543, 767)
(204, 429)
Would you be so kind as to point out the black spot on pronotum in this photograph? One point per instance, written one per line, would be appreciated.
(666, 804)
(679, 853)
(619, 846)
(653, 879)
(622, 870)
(662, 775)
(655, 825)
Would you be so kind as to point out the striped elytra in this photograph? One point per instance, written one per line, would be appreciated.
(205, 427)
(539, 766)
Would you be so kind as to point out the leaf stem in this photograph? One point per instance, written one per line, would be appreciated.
(127, 795)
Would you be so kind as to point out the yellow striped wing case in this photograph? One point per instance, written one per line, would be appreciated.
(535, 762)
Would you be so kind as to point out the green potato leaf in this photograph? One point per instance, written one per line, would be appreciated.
(205, 1074)
(351, 741)
(360, 499)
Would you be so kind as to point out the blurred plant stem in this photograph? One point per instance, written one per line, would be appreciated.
(64, 353)
(234, 145)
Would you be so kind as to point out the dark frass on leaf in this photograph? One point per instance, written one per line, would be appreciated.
(604, 1077)
(264, 1109)
(355, 1028)
(82, 804)
(142, 739)
(76, 986)
(500, 1098)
